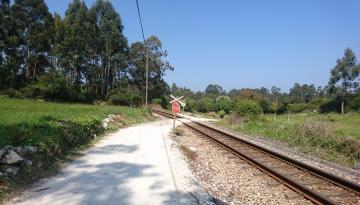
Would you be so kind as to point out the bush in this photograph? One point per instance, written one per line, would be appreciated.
(190, 106)
(248, 109)
(330, 106)
(223, 103)
(205, 105)
(11, 92)
(298, 107)
(354, 103)
(53, 86)
(156, 101)
(265, 106)
(165, 102)
(53, 137)
(222, 113)
(122, 96)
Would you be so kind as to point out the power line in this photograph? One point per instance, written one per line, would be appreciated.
(146, 56)
(142, 29)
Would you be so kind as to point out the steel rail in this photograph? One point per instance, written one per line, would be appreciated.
(308, 193)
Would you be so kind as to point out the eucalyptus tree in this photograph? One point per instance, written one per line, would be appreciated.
(74, 48)
(110, 43)
(344, 75)
(5, 29)
(157, 64)
(34, 24)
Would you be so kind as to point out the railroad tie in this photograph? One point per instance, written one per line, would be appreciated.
(312, 182)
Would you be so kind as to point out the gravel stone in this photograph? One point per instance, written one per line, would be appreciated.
(229, 178)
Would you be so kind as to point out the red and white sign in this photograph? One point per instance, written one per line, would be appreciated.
(175, 107)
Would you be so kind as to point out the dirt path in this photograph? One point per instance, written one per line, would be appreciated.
(127, 167)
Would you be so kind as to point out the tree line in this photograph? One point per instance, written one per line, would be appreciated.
(341, 94)
(83, 55)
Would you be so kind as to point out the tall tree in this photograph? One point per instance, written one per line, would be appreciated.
(10, 59)
(275, 91)
(343, 76)
(34, 22)
(75, 50)
(110, 42)
(215, 89)
(157, 64)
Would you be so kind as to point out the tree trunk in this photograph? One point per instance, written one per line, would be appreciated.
(342, 106)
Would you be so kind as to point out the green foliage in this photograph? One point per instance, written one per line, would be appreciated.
(53, 86)
(332, 136)
(156, 101)
(248, 109)
(223, 103)
(330, 105)
(354, 103)
(56, 127)
(11, 92)
(222, 113)
(165, 102)
(123, 96)
(205, 105)
(34, 26)
(137, 65)
(298, 107)
(344, 76)
(214, 90)
(190, 105)
(266, 106)
(302, 93)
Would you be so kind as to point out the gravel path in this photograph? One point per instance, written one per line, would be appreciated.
(350, 174)
(135, 165)
(229, 178)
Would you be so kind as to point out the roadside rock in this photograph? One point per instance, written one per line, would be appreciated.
(3, 174)
(8, 147)
(11, 158)
(30, 149)
(11, 170)
(105, 125)
(19, 150)
(27, 162)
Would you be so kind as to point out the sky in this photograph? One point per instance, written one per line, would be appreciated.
(244, 44)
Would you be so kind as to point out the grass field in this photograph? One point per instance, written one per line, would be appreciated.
(18, 115)
(31, 111)
(58, 130)
(332, 137)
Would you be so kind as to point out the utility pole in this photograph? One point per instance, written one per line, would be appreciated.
(146, 56)
(147, 76)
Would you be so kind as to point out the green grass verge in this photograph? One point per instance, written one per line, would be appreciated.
(332, 137)
(58, 130)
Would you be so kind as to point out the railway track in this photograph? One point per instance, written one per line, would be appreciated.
(314, 184)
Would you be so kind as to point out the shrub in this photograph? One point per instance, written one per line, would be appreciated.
(222, 113)
(248, 109)
(330, 106)
(223, 103)
(350, 147)
(354, 103)
(11, 92)
(298, 107)
(122, 96)
(205, 105)
(190, 106)
(53, 86)
(165, 102)
(313, 130)
(265, 106)
(156, 101)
